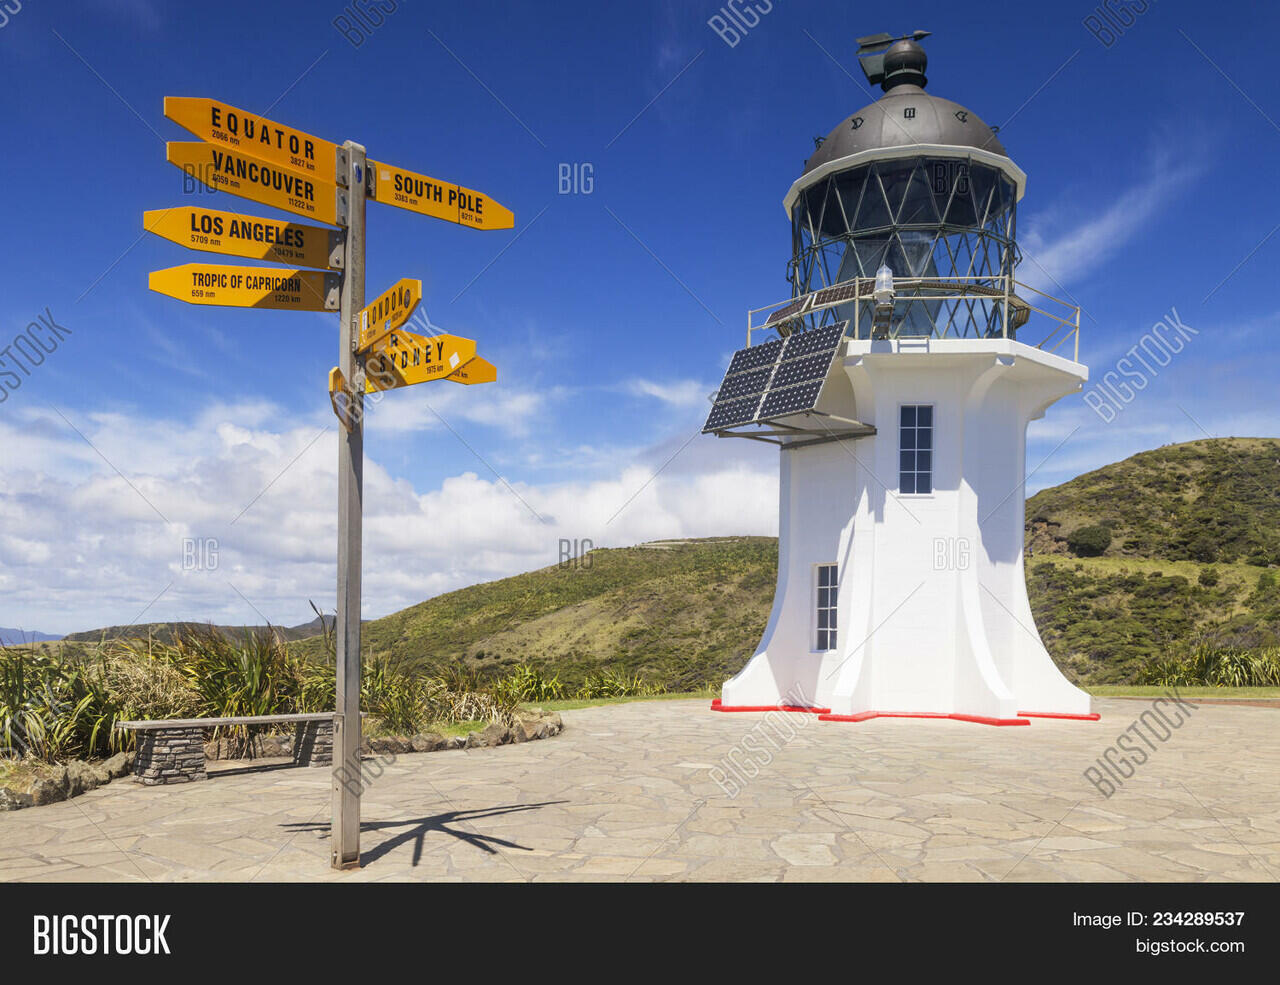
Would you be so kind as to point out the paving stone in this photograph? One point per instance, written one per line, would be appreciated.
(624, 793)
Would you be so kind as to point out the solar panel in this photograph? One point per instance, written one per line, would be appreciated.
(803, 370)
(780, 377)
(755, 356)
(743, 384)
(814, 340)
(790, 400)
(728, 413)
(833, 295)
(785, 312)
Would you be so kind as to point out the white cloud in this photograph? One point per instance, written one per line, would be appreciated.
(82, 546)
(677, 393)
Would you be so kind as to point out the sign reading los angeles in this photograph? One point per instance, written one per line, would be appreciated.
(248, 287)
(235, 129)
(237, 235)
(256, 179)
(405, 358)
(439, 199)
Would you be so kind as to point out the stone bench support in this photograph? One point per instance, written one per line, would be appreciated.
(313, 744)
(170, 756)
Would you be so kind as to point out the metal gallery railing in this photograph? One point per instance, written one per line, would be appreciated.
(1006, 311)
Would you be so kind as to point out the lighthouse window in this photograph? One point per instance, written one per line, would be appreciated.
(826, 607)
(915, 449)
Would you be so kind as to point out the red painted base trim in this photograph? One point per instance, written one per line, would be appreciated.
(717, 706)
(863, 716)
(1053, 714)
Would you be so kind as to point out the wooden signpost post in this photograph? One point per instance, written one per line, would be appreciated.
(285, 168)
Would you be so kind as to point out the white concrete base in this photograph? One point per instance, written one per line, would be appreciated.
(932, 611)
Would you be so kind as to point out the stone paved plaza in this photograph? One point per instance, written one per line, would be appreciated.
(626, 793)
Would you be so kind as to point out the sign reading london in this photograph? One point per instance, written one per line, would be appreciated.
(219, 123)
(248, 287)
(256, 179)
(439, 199)
(238, 235)
(391, 310)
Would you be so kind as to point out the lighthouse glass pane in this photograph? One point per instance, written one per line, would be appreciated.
(915, 449)
(825, 608)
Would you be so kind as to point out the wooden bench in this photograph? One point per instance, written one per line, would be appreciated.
(172, 750)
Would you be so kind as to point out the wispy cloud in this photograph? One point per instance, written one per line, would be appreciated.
(1059, 251)
(677, 393)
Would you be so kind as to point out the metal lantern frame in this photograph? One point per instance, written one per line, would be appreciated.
(930, 219)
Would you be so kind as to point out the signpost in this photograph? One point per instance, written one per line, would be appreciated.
(405, 359)
(285, 168)
(392, 309)
(253, 178)
(478, 370)
(236, 235)
(249, 287)
(416, 192)
(218, 123)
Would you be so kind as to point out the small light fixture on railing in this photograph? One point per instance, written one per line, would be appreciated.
(883, 294)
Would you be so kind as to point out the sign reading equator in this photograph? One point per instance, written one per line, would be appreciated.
(248, 287)
(416, 192)
(255, 179)
(232, 234)
(236, 129)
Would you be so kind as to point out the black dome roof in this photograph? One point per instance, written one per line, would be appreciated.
(906, 115)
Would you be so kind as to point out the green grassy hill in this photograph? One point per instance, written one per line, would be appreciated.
(683, 612)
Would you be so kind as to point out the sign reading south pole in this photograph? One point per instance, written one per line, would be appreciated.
(232, 234)
(248, 287)
(236, 129)
(256, 179)
(439, 199)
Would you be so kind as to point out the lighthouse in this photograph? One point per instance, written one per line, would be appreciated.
(897, 380)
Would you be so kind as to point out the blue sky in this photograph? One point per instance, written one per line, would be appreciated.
(610, 314)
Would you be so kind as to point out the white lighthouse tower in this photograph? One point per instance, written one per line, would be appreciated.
(898, 380)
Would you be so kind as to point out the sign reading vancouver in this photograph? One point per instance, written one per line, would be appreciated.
(255, 179)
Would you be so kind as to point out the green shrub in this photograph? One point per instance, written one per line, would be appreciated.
(1089, 541)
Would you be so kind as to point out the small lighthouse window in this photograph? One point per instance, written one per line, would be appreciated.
(915, 449)
(826, 607)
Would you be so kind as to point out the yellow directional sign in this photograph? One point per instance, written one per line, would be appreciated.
(391, 310)
(418, 193)
(256, 179)
(340, 397)
(405, 358)
(235, 129)
(478, 370)
(247, 236)
(248, 287)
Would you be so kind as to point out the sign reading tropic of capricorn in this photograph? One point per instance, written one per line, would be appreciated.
(276, 165)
